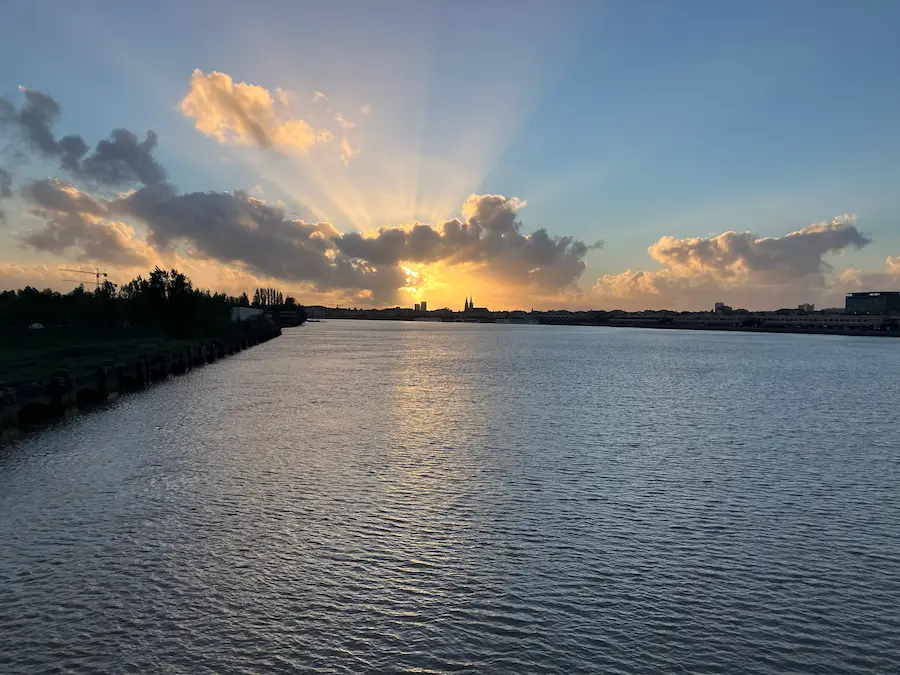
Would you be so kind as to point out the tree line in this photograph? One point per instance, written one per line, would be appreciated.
(165, 302)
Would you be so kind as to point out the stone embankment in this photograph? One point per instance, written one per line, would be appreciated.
(29, 403)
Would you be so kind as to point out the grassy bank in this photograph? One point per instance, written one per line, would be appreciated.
(40, 356)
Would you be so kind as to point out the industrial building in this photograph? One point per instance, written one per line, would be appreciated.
(873, 302)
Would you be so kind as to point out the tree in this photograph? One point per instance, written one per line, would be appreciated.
(166, 301)
(267, 297)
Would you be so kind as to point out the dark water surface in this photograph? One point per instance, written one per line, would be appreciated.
(387, 497)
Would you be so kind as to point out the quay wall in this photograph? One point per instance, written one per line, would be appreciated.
(27, 403)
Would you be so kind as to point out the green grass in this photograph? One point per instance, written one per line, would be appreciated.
(34, 363)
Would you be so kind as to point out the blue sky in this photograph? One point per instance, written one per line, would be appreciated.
(619, 121)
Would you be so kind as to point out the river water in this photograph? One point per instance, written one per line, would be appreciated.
(395, 497)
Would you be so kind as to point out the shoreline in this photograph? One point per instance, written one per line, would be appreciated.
(772, 329)
(573, 321)
(25, 404)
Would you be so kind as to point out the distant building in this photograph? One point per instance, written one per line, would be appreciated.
(873, 302)
(722, 308)
(423, 306)
(806, 307)
(418, 307)
(827, 321)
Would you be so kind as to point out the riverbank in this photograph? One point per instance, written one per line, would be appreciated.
(39, 385)
(848, 332)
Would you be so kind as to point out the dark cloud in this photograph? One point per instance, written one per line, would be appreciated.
(121, 161)
(34, 123)
(489, 234)
(236, 228)
(37, 117)
(75, 221)
(5, 190)
(5, 184)
(55, 195)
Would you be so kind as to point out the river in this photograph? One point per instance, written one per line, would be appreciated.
(408, 497)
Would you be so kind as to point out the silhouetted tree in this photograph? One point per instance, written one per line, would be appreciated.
(164, 302)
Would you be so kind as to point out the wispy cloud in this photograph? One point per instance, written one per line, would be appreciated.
(344, 122)
(347, 151)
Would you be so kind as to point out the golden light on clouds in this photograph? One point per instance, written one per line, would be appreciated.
(237, 112)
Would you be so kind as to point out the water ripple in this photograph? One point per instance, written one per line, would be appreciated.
(408, 498)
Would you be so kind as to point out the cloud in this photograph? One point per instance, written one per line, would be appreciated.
(118, 162)
(750, 270)
(5, 184)
(366, 109)
(319, 96)
(248, 234)
(893, 265)
(347, 151)
(55, 195)
(489, 236)
(13, 275)
(237, 112)
(34, 123)
(734, 255)
(76, 221)
(344, 122)
(861, 280)
(236, 228)
(5, 190)
(239, 229)
(124, 160)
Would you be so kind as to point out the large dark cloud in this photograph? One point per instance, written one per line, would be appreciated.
(76, 223)
(236, 228)
(490, 234)
(55, 195)
(121, 161)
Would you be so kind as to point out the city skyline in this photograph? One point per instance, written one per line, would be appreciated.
(591, 156)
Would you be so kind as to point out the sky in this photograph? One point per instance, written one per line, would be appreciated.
(595, 155)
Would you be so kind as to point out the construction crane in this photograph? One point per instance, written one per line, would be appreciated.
(96, 274)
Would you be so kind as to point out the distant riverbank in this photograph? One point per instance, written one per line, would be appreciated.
(850, 332)
(587, 319)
